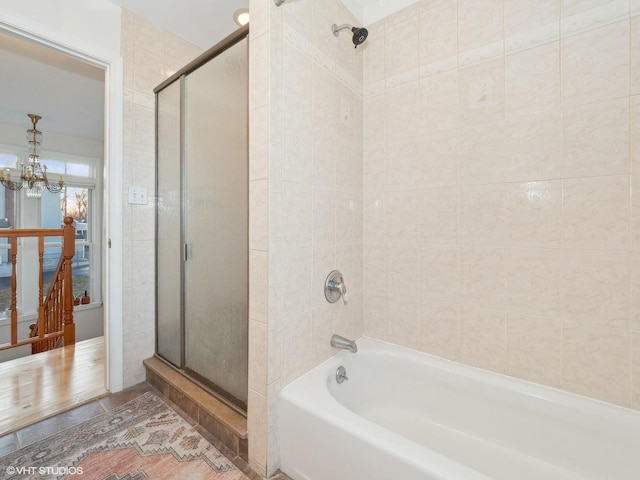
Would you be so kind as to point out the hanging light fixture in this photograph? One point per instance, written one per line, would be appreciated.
(33, 177)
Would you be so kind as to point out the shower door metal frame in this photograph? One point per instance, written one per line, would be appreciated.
(180, 76)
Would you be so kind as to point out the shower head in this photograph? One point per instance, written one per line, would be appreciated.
(360, 34)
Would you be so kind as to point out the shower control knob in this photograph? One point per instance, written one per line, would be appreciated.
(334, 288)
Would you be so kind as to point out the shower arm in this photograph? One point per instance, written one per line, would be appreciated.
(338, 28)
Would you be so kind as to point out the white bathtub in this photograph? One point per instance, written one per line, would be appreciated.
(403, 415)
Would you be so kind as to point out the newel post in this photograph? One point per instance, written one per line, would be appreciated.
(68, 251)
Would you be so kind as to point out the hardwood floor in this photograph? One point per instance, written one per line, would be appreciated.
(38, 386)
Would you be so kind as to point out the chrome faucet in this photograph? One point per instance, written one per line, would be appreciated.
(338, 341)
(334, 288)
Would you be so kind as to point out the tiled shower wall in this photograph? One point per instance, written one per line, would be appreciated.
(150, 55)
(305, 199)
(501, 179)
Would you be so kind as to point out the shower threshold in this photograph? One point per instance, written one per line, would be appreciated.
(224, 422)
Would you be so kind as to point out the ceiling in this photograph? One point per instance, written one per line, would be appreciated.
(69, 94)
(202, 22)
(206, 22)
(370, 11)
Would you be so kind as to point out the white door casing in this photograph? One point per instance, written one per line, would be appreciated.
(90, 33)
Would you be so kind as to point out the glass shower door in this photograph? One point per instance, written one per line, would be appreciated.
(168, 225)
(216, 223)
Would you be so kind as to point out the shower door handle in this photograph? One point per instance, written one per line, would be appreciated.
(187, 252)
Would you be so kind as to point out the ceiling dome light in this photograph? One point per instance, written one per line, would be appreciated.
(241, 17)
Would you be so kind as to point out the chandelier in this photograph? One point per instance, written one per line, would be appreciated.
(33, 177)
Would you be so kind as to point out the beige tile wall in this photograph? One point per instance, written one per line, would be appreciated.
(499, 225)
(305, 199)
(500, 160)
(150, 55)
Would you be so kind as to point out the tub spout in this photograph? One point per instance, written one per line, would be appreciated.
(338, 341)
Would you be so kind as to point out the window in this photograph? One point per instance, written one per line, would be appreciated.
(77, 200)
(7, 220)
(68, 167)
(8, 160)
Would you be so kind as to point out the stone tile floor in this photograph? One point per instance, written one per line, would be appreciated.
(32, 433)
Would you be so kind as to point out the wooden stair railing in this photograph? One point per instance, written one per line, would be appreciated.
(51, 309)
(55, 325)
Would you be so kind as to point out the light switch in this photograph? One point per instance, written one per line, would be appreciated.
(138, 195)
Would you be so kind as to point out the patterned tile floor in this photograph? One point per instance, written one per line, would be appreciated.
(32, 433)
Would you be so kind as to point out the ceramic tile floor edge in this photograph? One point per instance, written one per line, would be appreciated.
(62, 421)
(11, 441)
(8, 444)
(106, 403)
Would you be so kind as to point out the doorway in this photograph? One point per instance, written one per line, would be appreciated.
(98, 47)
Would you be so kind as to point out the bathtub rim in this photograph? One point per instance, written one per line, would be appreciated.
(591, 405)
(311, 392)
(329, 410)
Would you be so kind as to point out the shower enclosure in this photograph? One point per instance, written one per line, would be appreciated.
(202, 220)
